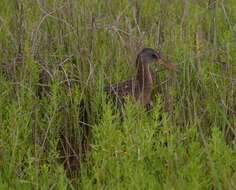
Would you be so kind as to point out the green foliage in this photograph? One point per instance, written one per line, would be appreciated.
(186, 142)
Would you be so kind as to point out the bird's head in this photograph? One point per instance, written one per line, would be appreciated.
(149, 55)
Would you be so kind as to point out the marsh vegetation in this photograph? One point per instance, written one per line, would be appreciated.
(58, 129)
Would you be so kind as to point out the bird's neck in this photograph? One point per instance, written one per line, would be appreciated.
(144, 77)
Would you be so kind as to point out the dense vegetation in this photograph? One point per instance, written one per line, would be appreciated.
(59, 131)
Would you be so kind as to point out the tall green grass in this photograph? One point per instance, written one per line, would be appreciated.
(186, 142)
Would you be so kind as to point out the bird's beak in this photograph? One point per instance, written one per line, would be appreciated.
(169, 66)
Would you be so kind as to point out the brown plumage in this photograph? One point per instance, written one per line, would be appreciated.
(141, 85)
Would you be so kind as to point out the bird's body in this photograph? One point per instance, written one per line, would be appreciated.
(141, 85)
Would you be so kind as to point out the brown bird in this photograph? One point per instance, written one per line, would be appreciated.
(141, 85)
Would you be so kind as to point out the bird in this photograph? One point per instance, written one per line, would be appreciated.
(139, 86)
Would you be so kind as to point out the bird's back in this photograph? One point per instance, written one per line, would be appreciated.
(120, 90)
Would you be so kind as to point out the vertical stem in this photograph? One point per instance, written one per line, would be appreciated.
(185, 13)
(212, 35)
